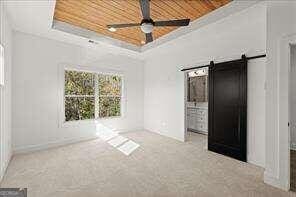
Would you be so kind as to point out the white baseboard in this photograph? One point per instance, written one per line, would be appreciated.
(54, 144)
(255, 160)
(129, 130)
(276, 182)
(166, 135)
(5, 168)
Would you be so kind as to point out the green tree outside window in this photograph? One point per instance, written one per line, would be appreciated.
(82, 101)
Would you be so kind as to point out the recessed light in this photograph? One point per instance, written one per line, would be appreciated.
(112, 29)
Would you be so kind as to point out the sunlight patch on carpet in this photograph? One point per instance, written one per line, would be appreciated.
(128, 147)
(117, 141)
(112, 137)
(107, 135)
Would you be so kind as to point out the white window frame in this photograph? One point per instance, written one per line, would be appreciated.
(95, 70)
(97, 109)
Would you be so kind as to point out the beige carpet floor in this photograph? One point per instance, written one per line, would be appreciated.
(159, 167)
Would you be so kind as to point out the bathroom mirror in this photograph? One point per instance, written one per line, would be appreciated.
(198, 86)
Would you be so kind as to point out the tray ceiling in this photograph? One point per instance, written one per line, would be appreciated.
(94, 15)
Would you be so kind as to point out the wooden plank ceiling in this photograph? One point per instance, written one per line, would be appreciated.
(94, 15)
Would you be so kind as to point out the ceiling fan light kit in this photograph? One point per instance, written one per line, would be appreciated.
(147, 24)
(147, 28)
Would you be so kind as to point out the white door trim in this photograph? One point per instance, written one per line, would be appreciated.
(284, 66)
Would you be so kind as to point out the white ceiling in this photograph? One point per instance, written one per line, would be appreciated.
(36, 17)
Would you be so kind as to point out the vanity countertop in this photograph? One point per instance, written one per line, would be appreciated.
(197, 107)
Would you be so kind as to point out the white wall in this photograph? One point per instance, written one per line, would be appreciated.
(5, 93)
(256, 112)
(293, 98)
(281, 22)
(244, 32)
(37, 90)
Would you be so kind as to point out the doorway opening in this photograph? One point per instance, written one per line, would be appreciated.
(292, 122)
(197, 102)
(216, 105)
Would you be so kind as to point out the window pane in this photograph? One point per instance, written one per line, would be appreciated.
(109, 106)
(109, 85)
(79, 83)
(79, 108)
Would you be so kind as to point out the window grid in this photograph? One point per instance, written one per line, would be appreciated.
(109, 96)
(97, 97)
(97, 107)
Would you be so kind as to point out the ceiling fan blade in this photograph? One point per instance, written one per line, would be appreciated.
(145, 8)
(124, 25)
(149, 37)
(179, 22)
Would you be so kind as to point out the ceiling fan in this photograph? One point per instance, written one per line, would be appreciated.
(147, 24)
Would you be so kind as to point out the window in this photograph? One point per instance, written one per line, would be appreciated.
(79, 95)
(109, 95)
(91, 95)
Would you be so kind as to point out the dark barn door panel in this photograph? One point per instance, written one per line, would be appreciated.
(228, 109)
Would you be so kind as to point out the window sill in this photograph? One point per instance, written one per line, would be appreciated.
(87, 121)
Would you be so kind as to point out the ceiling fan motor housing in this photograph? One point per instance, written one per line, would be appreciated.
(147, 25)
(147, 21)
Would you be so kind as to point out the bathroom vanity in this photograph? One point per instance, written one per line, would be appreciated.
(197, 119)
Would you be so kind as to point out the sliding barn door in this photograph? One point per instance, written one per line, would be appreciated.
(228, 109)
